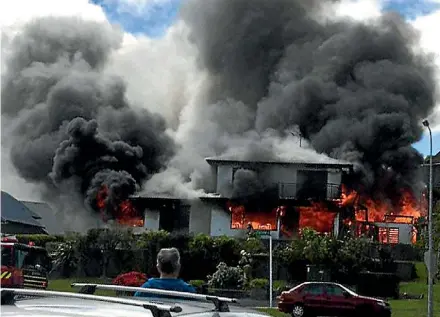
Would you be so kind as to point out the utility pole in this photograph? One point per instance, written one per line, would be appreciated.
(430, 233)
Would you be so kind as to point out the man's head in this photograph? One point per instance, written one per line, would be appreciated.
(168, 262)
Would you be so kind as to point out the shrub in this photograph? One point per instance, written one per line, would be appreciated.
(227, 277)
(197, 283)
(279, 285)
(260, 283)
(39, 239)
(135, 279)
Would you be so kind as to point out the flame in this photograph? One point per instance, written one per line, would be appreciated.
(262, 221)
(124, 213)
(366, 216)
(317, 217)
(406, 210)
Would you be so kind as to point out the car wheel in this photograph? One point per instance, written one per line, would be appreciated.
(298, 311)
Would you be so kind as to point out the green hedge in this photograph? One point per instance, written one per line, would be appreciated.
(120, 251)
(39, 239)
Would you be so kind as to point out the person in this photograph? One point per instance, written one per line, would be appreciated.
(168, 265)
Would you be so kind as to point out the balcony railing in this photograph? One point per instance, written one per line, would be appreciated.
(299, 191)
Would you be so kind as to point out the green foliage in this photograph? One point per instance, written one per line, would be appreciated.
(227, 277)
(352, 255)
(86, 254)
(39, 239)
(65, 257)
(197, 283)
(253, 245)
(260, 283)
(279, 285)
(159, 239)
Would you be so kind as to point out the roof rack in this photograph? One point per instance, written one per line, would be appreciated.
(158, 310)
(221, 303)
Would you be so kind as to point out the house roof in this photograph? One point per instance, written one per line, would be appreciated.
(47, 216)
(13, 210)
(221, 160)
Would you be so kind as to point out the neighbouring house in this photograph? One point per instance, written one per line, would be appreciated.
(47, 216)
(435, 171)
(17, 218)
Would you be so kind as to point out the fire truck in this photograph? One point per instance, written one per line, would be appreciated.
(23, 265)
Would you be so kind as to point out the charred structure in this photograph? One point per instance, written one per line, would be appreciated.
(314, 195)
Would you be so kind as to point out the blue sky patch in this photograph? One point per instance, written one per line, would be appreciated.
(152, 19)
(410, 9)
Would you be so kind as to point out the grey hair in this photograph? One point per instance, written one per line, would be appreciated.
(168, 260)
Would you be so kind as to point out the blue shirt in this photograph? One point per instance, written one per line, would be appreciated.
(169, 284)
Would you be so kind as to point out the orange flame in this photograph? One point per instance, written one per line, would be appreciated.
(241, 219)
(407, 209)
(316, 217)
(125, 213)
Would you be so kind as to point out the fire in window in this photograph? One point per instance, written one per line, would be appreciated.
(389, 235)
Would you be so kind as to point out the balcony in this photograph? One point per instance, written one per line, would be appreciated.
(301, 192)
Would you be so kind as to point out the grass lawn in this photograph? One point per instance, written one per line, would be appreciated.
(63, 285)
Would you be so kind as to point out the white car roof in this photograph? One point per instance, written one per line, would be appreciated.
(68, 307)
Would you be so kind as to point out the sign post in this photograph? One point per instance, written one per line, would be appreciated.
(270, 270)
(269, 233)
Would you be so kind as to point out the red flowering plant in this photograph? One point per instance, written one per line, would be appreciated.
(134, 279)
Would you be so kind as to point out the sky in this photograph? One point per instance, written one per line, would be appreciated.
(152, 18)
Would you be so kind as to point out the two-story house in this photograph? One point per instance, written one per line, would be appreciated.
(295, 186)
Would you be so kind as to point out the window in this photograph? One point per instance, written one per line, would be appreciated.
(20, 256)
(389, 235)
(6, 256)
(235, 169)
(334, 290)
(313, 289)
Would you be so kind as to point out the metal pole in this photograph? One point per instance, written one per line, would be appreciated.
(270, 271)
(430, 237)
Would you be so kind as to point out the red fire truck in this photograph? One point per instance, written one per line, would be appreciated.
(23, 265)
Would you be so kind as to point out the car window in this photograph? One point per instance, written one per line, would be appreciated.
(334, 290)
(313, 289)
(6, 256)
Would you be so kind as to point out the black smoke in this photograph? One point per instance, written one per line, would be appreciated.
(253, 191)
(357, 91)
(246, 183)
(73, 130)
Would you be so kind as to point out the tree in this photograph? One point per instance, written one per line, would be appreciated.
(109, 240)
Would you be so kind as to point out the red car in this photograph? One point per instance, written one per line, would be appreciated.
(330, 299)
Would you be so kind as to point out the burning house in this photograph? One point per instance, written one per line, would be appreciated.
(283, 197)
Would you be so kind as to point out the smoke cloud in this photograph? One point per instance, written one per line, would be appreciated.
(246, 183)
(356, 91)
(238, 78)
(70, 126)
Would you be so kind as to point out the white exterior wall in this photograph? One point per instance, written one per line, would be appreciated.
(279, 174)
(152, 218)
(221, 224)
(200, 218)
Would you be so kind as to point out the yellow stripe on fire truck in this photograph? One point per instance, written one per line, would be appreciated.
(5, 275)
